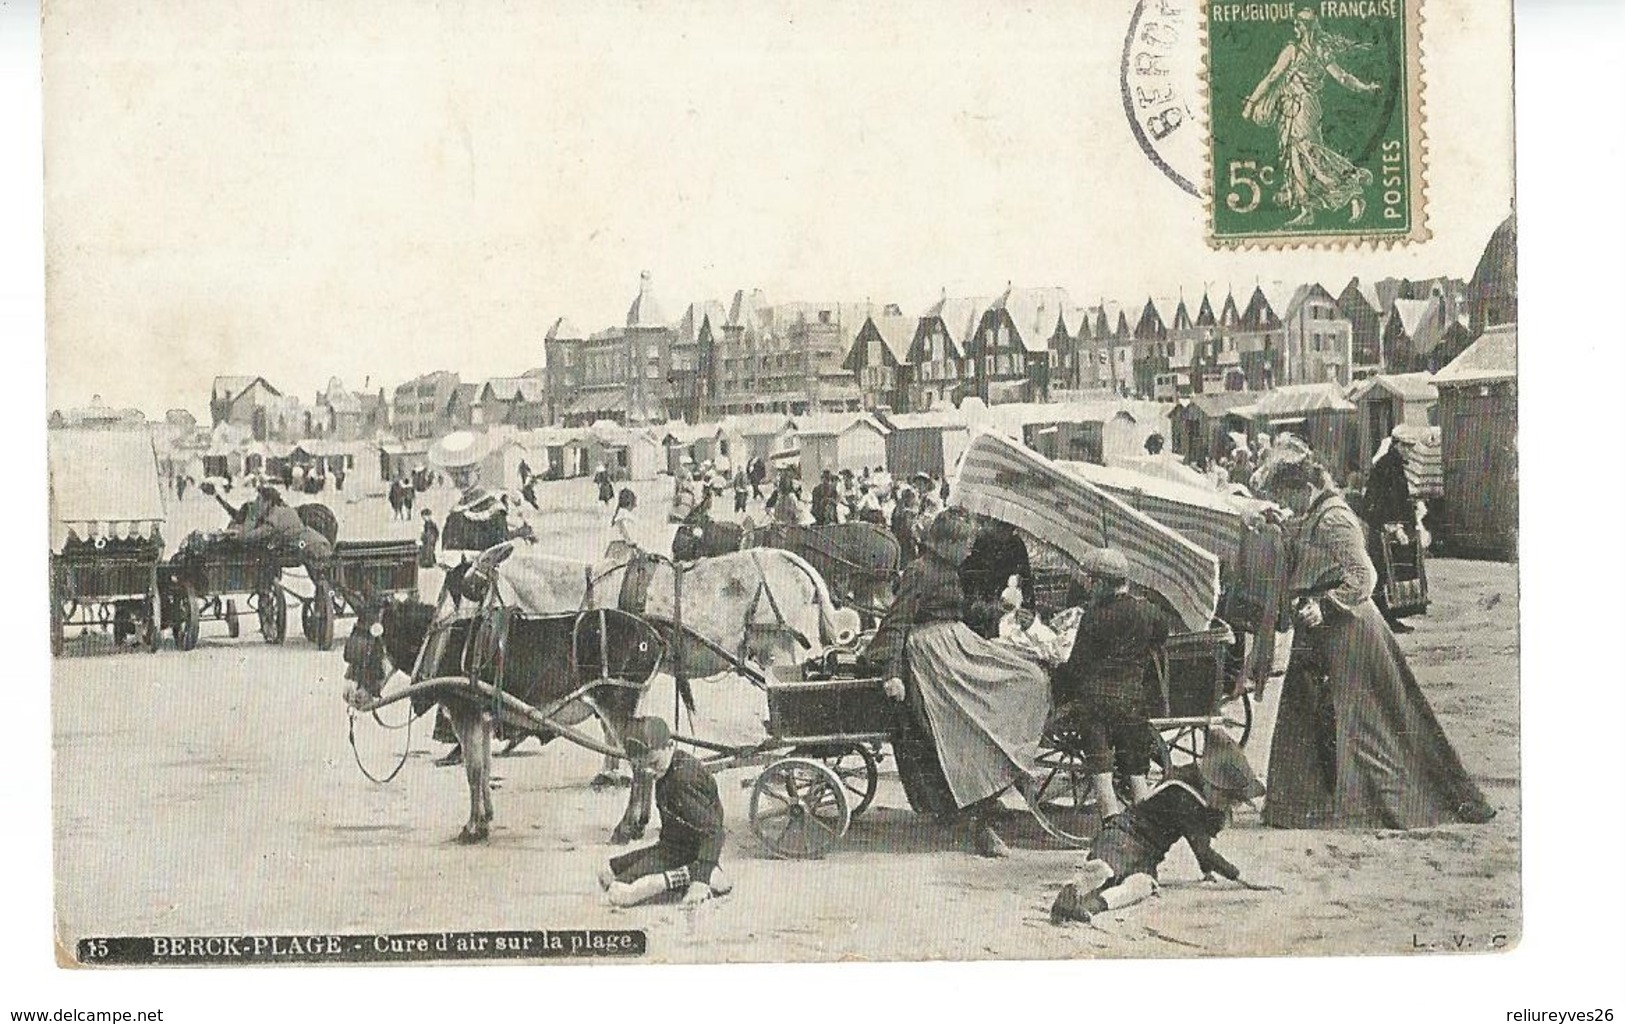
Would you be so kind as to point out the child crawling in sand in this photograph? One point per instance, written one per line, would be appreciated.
(685, 860)
(1192, 805)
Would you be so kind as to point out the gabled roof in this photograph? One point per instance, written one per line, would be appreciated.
(1228, 317)
(229, 389)
(507, 389)
(1217, 403)
(1352, 302)
(695, 317)
(1151, 327)
(1259, 315)
(1493, 356)
(959, 317)
(1182, 316)
(835, 423)
(897, 331)
(1412, 314)
(564, 330)
(1121, 331)
(1295, 399)
(749, 310)
(1204, 315)
(1409, 387)
(1036, 313)
(1303, 294)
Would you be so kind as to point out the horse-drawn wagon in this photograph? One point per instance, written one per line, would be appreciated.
(102, 481)
(828, 718)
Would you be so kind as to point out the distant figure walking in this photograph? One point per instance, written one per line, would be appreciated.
(428, 542)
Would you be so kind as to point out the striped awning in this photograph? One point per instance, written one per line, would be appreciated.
(1003, 480)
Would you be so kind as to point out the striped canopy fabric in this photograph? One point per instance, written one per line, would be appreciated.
(1208, 518)
(1001, 479)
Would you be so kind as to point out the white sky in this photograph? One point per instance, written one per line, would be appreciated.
(378, 187)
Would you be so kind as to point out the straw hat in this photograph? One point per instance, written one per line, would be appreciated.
(459, 450)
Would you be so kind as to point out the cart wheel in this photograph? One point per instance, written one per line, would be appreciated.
(234, 628)
(186, 630)
(1064, 800)
(307, 619)
(324, 614)
(58, 633)
(855, 766)
(273, 609)
(1238, 718)
(798, 808)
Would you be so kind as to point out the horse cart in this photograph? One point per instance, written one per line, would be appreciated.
(100, 482)
(204, 583)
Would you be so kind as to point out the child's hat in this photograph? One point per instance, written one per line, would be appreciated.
(646, 735)
(1225, 767)
(1107, 562)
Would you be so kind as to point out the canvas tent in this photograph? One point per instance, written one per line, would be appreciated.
(1061, 509)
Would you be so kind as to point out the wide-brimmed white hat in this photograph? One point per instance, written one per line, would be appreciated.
(459, 450)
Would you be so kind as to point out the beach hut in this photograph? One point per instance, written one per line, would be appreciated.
(1478, 410)
(684, 442)
(397, 459)
(1126, 427)
(924, 442)
(1320, 415)
(1070, 432)
(837, 441)
(1200, 427)
(499, 466)
(1387, 401)
(752, 436)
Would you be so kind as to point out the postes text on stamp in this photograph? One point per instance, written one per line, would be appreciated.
(1314, 122)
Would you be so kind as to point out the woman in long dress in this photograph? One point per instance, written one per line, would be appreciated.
(974, 711)
(1356, 744)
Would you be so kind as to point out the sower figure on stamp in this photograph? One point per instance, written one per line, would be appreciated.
(686, 859)
(1314, 176)
(1193, 805)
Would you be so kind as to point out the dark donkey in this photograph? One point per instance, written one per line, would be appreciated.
(539, 661)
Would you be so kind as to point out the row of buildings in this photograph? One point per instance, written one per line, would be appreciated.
(751, 355)
(1022, 345)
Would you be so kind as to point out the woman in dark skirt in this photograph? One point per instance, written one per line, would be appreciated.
(1356, 744)
(973, 711)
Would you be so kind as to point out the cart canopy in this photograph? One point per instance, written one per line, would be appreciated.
(1003, 480)
(101, 477)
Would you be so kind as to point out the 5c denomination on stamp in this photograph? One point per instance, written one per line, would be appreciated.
(1314, 122)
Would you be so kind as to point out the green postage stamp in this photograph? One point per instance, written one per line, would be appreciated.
(1314, 122)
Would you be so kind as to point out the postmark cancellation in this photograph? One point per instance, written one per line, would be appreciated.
(1315, 122)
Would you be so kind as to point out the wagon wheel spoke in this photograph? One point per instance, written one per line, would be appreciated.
(780, 797)
(821, 823)
(781, 812)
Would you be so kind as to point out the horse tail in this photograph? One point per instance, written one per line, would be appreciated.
(835, 626)
(685, 693)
